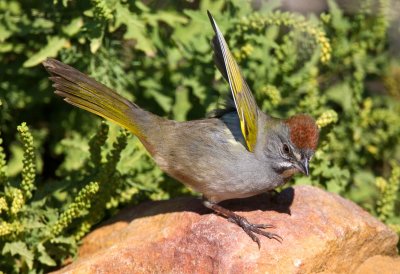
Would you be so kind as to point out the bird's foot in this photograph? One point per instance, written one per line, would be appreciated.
(250, 228)
(253, 229)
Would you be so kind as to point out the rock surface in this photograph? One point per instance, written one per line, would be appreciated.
(321, 232)
(380, 264)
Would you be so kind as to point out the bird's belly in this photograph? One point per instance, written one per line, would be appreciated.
(218, 181)
(235, 188)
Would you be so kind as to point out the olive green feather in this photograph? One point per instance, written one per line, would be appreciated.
(245, 103)
(84, 92)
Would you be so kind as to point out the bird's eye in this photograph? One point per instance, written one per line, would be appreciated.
(286, 149)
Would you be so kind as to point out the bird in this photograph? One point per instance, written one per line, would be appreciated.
(237, 152)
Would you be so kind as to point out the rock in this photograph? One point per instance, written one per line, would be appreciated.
(380, 264)
(321, 232)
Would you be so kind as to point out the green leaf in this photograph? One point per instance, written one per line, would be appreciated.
(63, 240)
(19, 248)
(4, 33)
(212, 5)
(15, 163)
(338, 20)
(135, 29)
(41, 23)
(6, 47)
(95, 33)
(54, 45)
(75, 151)
(341, 94)
(182, 104)
(73, 27)
(142, 6)
(163, 100)
(167, 17)
(198, 90)
(45, 258)
(194, 35)
(95, 43)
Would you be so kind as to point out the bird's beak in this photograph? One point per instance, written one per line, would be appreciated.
(303, 166)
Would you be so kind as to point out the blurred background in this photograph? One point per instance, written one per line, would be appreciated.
(63, 170)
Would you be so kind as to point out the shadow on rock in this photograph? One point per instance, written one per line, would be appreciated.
(271, 201)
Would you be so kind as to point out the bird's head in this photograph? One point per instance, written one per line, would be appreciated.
(291, 144)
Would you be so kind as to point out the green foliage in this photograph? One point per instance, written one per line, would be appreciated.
(40, 229)
(388, 190)
(29, 168)
(335, 66)
(82, 202)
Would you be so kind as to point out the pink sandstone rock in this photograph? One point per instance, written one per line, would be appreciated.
(381, 265)
(321, 232)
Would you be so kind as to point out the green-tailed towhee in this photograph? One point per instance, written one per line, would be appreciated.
(239, 152)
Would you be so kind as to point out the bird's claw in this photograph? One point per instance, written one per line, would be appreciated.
(249, 228)
(253, 229)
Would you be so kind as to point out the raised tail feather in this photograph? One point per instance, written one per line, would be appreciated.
(84, 92)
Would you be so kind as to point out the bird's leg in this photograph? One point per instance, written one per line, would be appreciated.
(249, 228)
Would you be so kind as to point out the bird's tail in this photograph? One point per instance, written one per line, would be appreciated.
(84, 92)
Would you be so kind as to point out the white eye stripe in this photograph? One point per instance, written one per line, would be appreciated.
(297, 155)
(285, 164)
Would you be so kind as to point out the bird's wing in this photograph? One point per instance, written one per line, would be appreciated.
(245, 103)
